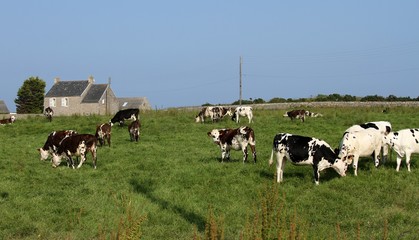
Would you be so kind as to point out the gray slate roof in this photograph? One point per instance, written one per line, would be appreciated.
(96, 91)
(133, 102)
(3, 107)
(67, 89)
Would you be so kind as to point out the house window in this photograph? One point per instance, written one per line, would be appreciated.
(52, 102)
(64, 102)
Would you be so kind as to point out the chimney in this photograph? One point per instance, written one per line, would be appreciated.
(56, 80)
(91, 79)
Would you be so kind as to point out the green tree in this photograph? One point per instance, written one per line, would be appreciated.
(30, 97)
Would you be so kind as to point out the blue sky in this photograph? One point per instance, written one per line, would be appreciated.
(187, 53)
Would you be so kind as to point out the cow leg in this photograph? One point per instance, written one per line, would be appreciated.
(109, 140)
(355, 165)
(280, 164)
(244, 154)
(408, 161)
(82, 159)
(316, 174)
(253, 149)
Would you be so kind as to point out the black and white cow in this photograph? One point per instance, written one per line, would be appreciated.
(236, 139)
(360, 144)
(244, 111)
(384, 127)
(216, 113)
(76, 145)
(49, 113)
(122, 115)
(53, 142)
(403, 142)
(302, 150)
(9, 120)
(296, 114)
(103, 132)
(134, 130)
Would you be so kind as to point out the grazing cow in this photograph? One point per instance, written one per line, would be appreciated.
(313, 114)
(383, 127)
(122, 115)
(404, 142)
(360, 144)
(103, 132)
(296, 114)
(242, 111)
(237, 139)
(49, 113)
(9, 120)
(134, 130)
(301, 150)
(215, 113)
(53, 142)
(75, 145)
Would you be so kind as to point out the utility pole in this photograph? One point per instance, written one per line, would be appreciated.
(240, 98)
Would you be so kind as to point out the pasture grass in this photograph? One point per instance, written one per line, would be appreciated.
(172, 185)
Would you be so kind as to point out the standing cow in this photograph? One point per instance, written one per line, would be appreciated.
(302, 150)
(54, 140)
(49, 113)
(237, 139)
(122, 115)
(244, 111)
(76, 145)
(383, 127)
(296, 114)
(103, 132)
(216, 113)
(360, 144)
(403, 142)
(134, 130)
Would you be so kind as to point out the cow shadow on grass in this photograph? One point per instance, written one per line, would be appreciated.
(146, 188)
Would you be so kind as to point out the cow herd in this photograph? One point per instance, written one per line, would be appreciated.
(363, 140)
(69, 143)
(371, 139)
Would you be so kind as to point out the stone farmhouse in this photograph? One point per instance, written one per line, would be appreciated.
(84, 97)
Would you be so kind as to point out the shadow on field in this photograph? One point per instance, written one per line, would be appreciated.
(146, 188)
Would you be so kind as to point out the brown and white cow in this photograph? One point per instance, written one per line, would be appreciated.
(53, 142)
(296, 114)
(242, 111)
(48, 112)
(76, 145)
(103, 132)
(216, 113)
(134, 130)
(9, 120)
(237, 139)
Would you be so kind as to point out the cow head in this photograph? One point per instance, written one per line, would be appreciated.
(217, 134)
(340, 167)
(12, 119)
(44, 153)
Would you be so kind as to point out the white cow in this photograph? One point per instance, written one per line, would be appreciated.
(242, 111)
(360, 144)
(383, 127)
(404, 142)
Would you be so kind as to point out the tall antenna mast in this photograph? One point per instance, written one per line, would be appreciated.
(240, 98)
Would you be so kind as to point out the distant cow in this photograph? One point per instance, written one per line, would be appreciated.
(403, 142)
(360, 144)
(49, 113)
(9, 120)
(301, 150)
(296, 114)
(76, 145)
(103, 132)
(237, 139)
(383, 127)
(313, 114)
(53, 142)
(122, 115)
(134, 130)
(244, 111)
(214, 112)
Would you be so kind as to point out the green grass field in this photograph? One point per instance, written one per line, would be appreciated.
(172, 185)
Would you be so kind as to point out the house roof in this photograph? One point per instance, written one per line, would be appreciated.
(95, 92)
(67, 88)
(3, 107)
(133, 102)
